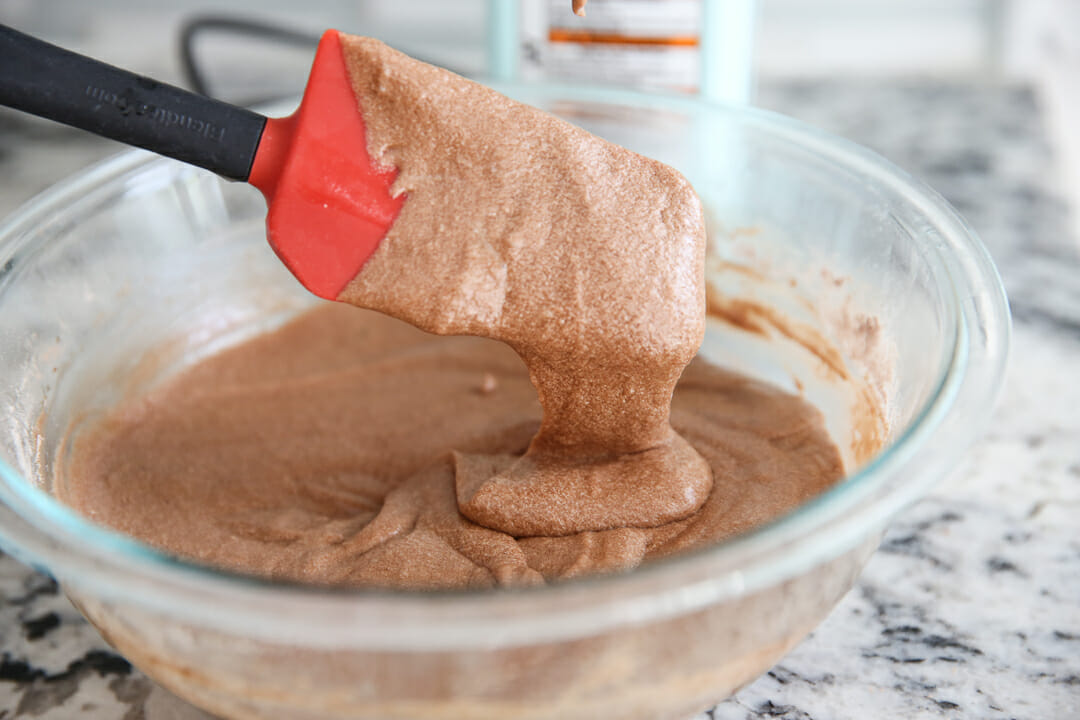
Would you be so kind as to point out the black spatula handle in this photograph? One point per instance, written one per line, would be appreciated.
(60, 85)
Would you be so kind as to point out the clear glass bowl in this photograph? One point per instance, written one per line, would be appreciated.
(143, 253)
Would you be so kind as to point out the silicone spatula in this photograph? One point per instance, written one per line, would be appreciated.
(329, 204)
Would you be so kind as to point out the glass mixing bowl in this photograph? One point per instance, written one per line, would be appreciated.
(141, 253)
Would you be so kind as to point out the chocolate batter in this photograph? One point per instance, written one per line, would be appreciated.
(352, 449)
(585, 258)
(325, 453)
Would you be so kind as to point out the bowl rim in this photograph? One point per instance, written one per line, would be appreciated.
(104, 563)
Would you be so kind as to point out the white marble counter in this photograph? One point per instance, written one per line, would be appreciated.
(970, 609)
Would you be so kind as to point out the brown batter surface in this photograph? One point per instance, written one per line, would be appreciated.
(325, 453)
(585, 258)
(350, 448)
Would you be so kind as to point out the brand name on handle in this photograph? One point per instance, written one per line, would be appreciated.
(128, 105)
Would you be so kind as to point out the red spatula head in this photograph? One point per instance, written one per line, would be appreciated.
(329, 204)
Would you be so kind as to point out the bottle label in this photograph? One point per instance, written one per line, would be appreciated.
(642, 44)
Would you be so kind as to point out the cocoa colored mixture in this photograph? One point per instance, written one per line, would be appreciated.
(349, 448)
(585, 258)
(326, 453)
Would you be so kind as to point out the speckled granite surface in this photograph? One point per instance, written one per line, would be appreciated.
(970, 609)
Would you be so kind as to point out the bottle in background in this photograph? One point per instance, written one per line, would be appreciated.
(691, 46)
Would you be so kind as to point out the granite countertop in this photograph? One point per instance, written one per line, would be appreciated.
(970, 609)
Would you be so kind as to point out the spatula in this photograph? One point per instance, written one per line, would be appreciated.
(329, 204)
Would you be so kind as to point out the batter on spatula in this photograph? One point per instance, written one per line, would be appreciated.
(585, 258)
(349, 448)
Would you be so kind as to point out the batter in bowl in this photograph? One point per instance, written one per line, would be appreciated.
(349, 448)
(327, 452)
